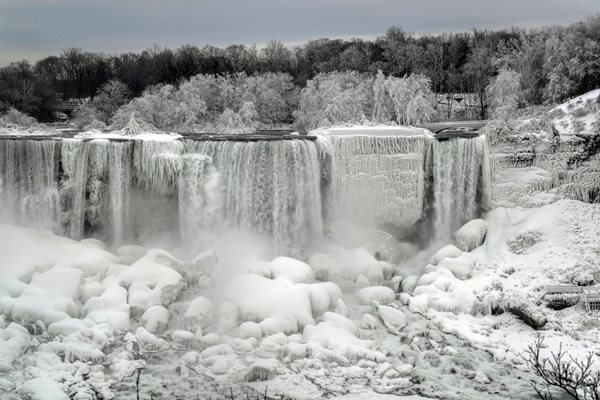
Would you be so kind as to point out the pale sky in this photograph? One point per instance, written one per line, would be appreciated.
(33, 29)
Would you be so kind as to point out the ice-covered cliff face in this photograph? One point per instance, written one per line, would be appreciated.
(532, 173)
(375, 180)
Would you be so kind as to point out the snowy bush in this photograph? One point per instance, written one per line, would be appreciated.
(334, 98)
(504, 93)
(562, 300)
(521, 243)
(16, 118)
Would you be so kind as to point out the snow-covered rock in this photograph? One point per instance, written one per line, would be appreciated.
(380, 294)
(448, 251)
(200, 313)
(471, 235)
(155, 319)
(393, 319)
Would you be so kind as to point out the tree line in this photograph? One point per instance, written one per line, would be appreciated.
(548, 64)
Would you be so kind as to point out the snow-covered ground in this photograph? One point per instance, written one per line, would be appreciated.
(79, 319)
(578, 115)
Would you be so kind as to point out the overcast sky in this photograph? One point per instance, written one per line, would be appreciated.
(33, 29)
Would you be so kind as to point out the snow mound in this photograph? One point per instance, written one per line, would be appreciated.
(43, 389)
(50, 297)
(393, 319)
(151, 284)
(14, 340)
(448, 251)
(380, 294)
(471, 235)
(18, 259)
(155, 319)
(279, 303)
(199, 314)
(440, 290)
(461, 267)
(348, 265)
(110, 307)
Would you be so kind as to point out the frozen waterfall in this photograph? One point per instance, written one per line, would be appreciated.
(186, 193)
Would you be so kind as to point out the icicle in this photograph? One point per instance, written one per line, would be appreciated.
(157, 165)
(377, 179)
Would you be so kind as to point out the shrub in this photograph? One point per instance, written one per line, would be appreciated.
(577, 379)
(14, 117)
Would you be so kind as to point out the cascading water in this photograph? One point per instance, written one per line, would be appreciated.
(269, 188)
(460, 183)
(74, 156)
(28, 183)
(136, 190)
(200, 201)
(119, 179)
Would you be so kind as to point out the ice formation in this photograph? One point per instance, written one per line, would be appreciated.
(375, 179)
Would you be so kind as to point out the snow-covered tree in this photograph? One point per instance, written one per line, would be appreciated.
(504, 93)
(404, 90)
(381, 100)
(110, 97)
(232, 123)
(14, 117)
(419, 110)
(335, 98)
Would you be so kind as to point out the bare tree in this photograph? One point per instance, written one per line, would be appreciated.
(576, 378)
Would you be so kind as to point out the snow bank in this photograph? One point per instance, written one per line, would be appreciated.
(151, 284)
(43, 389)
(348, 265)
(50, 297)
(259, 298)
(18, 257)
(14, 340)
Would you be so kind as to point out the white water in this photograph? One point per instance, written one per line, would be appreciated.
(190, 192)
(269, 188)
(200, 202)
(28, 183)
(119, 179)
(459, 172)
